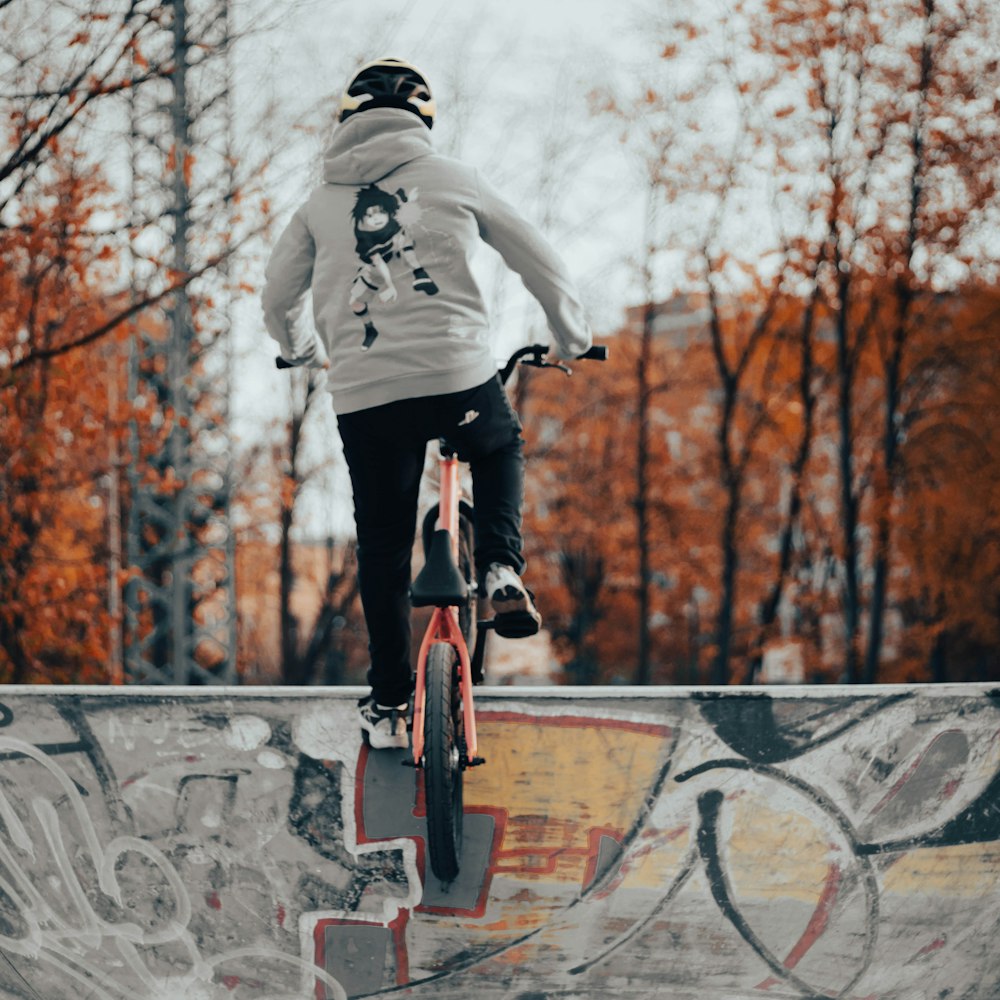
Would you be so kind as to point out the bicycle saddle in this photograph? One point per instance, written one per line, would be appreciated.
(439, 584)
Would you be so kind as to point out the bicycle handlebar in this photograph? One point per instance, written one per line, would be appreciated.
(534, 356)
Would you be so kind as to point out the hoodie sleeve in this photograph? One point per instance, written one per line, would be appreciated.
(528, 253)
(288, 277)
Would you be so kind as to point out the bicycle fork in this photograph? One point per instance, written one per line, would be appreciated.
(444, 628)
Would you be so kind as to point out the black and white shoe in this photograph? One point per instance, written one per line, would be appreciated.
(384, 724)
(514, 612)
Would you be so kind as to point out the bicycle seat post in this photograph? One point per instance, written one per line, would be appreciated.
(448, 494)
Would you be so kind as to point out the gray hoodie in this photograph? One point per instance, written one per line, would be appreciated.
(385, 243)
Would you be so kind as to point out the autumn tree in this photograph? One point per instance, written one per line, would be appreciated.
(697, 182)
(300, 653)
(652, 132)
(70, 74)
(947, 519)
(892, 103)
(65, 70)
(54, 442)
(853, 139)
(580, 450)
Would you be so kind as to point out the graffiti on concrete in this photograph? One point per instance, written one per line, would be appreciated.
(246, 845)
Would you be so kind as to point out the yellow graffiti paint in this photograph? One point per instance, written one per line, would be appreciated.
(964, 870)
(554, 825)
(776, 854)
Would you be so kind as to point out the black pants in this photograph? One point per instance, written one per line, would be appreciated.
(385, 448)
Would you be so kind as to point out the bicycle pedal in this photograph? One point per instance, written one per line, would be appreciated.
(409, 762)
(476, 761)
(516, 625)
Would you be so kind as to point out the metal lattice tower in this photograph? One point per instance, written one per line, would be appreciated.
(180, 598)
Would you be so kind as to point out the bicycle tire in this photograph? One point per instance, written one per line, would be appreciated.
(442, 763)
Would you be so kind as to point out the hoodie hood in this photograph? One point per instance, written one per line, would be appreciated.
(374, 143)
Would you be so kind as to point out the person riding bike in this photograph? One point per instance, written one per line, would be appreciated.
(385, 245)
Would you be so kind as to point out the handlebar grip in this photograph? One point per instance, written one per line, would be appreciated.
(599, 352)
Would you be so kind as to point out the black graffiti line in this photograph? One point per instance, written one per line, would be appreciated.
(82, 745)
(20, 975)
(727, 906)
(686, 870)
(656, 789)
(75, 717)
(49, 749)
(867, 713)
(718, 880)
(766, 723)
(52, 750)
(709, 803)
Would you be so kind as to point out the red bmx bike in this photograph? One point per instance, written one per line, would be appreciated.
(453, 649)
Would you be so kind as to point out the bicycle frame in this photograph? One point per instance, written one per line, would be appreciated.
(443, 626)
(444, 623)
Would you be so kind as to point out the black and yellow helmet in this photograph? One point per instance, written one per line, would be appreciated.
(388, 83)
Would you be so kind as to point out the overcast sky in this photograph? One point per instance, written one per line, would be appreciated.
(512, 83)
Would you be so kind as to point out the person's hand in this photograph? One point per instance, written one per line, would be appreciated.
(318, 359)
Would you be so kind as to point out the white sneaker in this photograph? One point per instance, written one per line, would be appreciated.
(384, 724)
(515, 615)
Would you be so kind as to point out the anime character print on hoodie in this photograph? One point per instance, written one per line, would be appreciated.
(385, 244)
(379, 219)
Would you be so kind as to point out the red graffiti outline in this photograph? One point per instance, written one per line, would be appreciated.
(817, 923)
(397, 928)
(494, 864)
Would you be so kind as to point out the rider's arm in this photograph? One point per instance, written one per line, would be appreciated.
(287, 280)
(527, 252)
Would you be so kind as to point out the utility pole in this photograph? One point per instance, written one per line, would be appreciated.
(180, 598)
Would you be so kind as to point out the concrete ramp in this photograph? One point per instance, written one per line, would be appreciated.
(721, 844)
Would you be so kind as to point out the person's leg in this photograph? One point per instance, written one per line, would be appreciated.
(482, 425)
(362, 291)
(385, 470)
(498, 492)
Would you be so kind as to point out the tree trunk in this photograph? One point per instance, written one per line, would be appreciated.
(291, 672)
(848, 497)
(583, 576)
(883, 533)
(730, 565)
(939, 659)
(769, 609)
(643, 670)
(894, 365)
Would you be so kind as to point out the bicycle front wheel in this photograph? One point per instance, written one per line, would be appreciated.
(443, 762)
